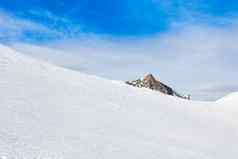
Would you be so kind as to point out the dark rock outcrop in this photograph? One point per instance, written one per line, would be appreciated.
(150, 82)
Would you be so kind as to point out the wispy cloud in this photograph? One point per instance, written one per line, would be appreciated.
(62, 24)
(14, 28)
(49, 15)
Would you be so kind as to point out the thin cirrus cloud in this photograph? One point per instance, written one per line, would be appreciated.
(12, 28)
(15, 28)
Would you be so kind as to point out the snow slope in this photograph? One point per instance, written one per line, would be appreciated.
(51, 112)
(233, 97)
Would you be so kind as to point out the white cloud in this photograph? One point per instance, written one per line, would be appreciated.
(13, 28)
(65, 26)
(49, 15)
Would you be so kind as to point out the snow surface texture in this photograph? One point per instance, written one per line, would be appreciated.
(54, 113)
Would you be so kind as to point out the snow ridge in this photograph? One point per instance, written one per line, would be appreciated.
(51, 112)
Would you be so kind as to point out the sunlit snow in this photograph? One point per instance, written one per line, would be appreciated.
(50, 112)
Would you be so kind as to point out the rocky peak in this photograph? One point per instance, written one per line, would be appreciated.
(150, 82)
(149, 77)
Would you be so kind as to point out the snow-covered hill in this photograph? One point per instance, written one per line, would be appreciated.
(233, 97)
(51, 112)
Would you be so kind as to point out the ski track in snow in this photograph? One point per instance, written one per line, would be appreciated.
(48, 112)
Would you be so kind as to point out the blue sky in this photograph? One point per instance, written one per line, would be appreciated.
(188, 44)
(120, 18)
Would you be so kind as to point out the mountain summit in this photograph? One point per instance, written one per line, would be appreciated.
(149, 81)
